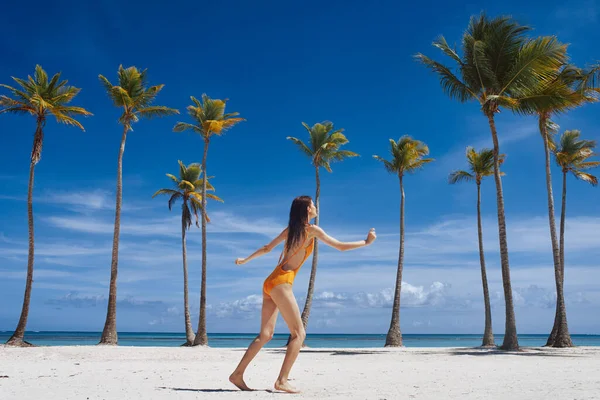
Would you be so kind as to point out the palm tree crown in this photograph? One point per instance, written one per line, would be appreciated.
(134, 96)
(407, 156)
(572, 155)
(324, 144)
(481, 164)
(187, 188)
(40, 97)
(499, 64)
(210, 116)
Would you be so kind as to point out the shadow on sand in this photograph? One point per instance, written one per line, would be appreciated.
(523, 352)
(332, 352)
(199, 390)
(458, 351)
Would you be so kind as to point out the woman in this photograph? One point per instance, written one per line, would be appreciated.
(277, 289)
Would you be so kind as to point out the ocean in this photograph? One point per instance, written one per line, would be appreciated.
(279, 340)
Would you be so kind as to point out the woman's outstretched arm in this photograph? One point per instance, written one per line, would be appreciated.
(343, 246)
(265, 249)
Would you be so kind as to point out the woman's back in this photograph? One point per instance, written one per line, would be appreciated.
(294, 258)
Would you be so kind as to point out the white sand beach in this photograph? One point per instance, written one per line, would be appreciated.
(93, 372)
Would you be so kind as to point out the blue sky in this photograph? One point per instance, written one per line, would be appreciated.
(281, 64)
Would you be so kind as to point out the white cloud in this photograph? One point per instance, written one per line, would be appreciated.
(329, 296)
(221, 223)
(38, 274)
(93, 200)
(245, 308)
(410, 296)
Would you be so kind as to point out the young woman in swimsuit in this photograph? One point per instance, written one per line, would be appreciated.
(277, 289)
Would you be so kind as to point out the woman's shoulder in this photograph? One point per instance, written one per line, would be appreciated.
(313, 230)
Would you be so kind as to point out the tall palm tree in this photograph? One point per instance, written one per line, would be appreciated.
(481, 164)
(211, 119)
(322, 149)
(187, 188)
(407, 157)
(499, 63)
(572, 155)
(40, 98)
(136, 98)
(570, 88)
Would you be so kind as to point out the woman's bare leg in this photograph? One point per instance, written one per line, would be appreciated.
(287, 305)
(267, 327)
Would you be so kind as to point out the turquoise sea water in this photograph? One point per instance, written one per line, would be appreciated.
(312, 340)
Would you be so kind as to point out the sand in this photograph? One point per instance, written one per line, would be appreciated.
(94, 372)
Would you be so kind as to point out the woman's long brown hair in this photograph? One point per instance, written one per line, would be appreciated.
(298, 221)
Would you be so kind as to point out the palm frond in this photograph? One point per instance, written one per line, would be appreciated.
(590, 80)
(185, 185)
(341, 155)
(389, 167)
(197, 208)
(173, 178)
(418, 164)
(586, 177)
(588, 164)
(537, 59)
(442, 44)
(70, 110)
(156, 111)
(176, 196)
(460, 176)
(186, 215)
(212, 196)
(65, 119)
(304, 148)
(452, 85)
(14, 106)
(169, 192)
(199, 182)
(184, 126)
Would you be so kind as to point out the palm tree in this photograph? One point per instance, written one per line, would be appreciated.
(187, 188)
(407, 157)
(136, 98)
(323, 148)
(40, 98)
(211, 119)
(572, 155)
(497, 67)
(570, 88)
(481, 164)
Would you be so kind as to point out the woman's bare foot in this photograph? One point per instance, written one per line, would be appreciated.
(238, 380)
(285, 387)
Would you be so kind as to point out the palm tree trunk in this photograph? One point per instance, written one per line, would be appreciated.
(563, 338)
(488, 335)
(394, 335)
(201, 335)
(313, 270)
(109, 333)
(510, 331)
(17, 338)
(552, 336)
(552, 221)
(189, 331)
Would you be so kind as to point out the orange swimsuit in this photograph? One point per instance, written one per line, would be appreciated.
(280, 275)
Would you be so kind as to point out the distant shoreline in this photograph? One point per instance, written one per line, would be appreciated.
(314, 340)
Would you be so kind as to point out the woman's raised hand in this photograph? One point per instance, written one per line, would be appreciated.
(240, 261)
(371, 236)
